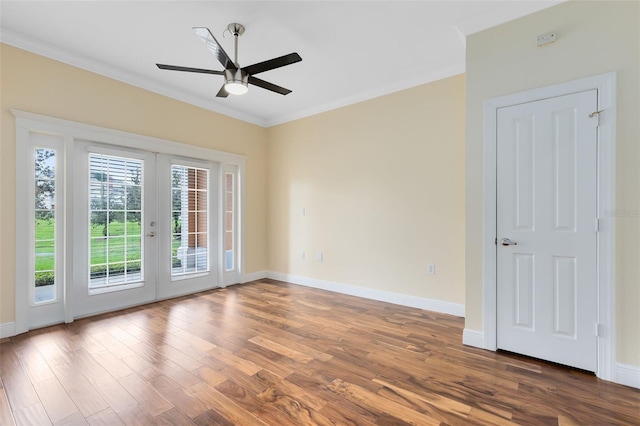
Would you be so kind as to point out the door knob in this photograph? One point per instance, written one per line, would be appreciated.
(508, 242)
(151, 234)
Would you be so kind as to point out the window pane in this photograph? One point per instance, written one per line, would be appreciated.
(45, 290)
(201, 200)
(133, 175)
(45, 194)
(45, 247)
(116, 223)
(44, 225)
(132, 271)
(134, 222)
(116, 248)
(98, 196)
(116, 197)
(228, 221)
(201, 221)
(45, 262)
(134, 198)
(228, 240)
(116, 217)
(98, 250)
(134, 248)
(229, 202)
(45, 163)
(190, 220)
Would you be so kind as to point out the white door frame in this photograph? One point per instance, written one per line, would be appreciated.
(606, 86)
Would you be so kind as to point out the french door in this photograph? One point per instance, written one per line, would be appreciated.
(187, 240)
(142, 227)
(108, 219)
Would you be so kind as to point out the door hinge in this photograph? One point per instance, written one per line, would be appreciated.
(495, 241)
(597, 225)
(596, 114)
(598, 330)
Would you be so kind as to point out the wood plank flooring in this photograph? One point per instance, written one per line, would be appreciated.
(272, 353)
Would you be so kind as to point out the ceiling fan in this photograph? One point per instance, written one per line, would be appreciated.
(236, 79)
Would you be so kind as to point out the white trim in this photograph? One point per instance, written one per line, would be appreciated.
(628, 375)
(439, 74)
(22, 304)
(97, 134)
(473, 338)
(606, 86)
(369, 293)
(242, 203)
(254, 276)
(8, 329)
(69, 172)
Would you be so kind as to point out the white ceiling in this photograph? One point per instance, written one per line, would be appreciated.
(351, 50)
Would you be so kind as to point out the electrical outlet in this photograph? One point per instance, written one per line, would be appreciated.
(431, 269)
(302, 255)
(320, 256)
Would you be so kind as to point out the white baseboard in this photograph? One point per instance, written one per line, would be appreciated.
(254, 276)
(368, 293)
(473, 338)
(628, 375)
(8, 329)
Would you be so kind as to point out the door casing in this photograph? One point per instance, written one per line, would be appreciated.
(606, 86)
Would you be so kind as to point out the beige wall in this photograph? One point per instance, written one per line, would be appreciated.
(36, 84)
(593, 38)
(382, 183)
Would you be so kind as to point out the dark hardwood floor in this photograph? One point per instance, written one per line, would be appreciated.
(271, 353)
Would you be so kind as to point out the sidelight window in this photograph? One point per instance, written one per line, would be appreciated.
(45, 225)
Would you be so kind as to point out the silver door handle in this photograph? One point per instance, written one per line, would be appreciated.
(151, 234)
(508, 242)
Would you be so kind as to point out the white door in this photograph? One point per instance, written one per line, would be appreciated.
(114, 233)
(546, 229)
(188, 244)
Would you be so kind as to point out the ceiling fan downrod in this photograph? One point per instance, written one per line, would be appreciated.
(237, 30)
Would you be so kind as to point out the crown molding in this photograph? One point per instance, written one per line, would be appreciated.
(513, 11)
(372, 94)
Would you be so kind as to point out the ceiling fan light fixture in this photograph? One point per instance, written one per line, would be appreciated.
(236, 82)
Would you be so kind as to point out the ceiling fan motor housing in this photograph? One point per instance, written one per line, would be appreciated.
(236, 81)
